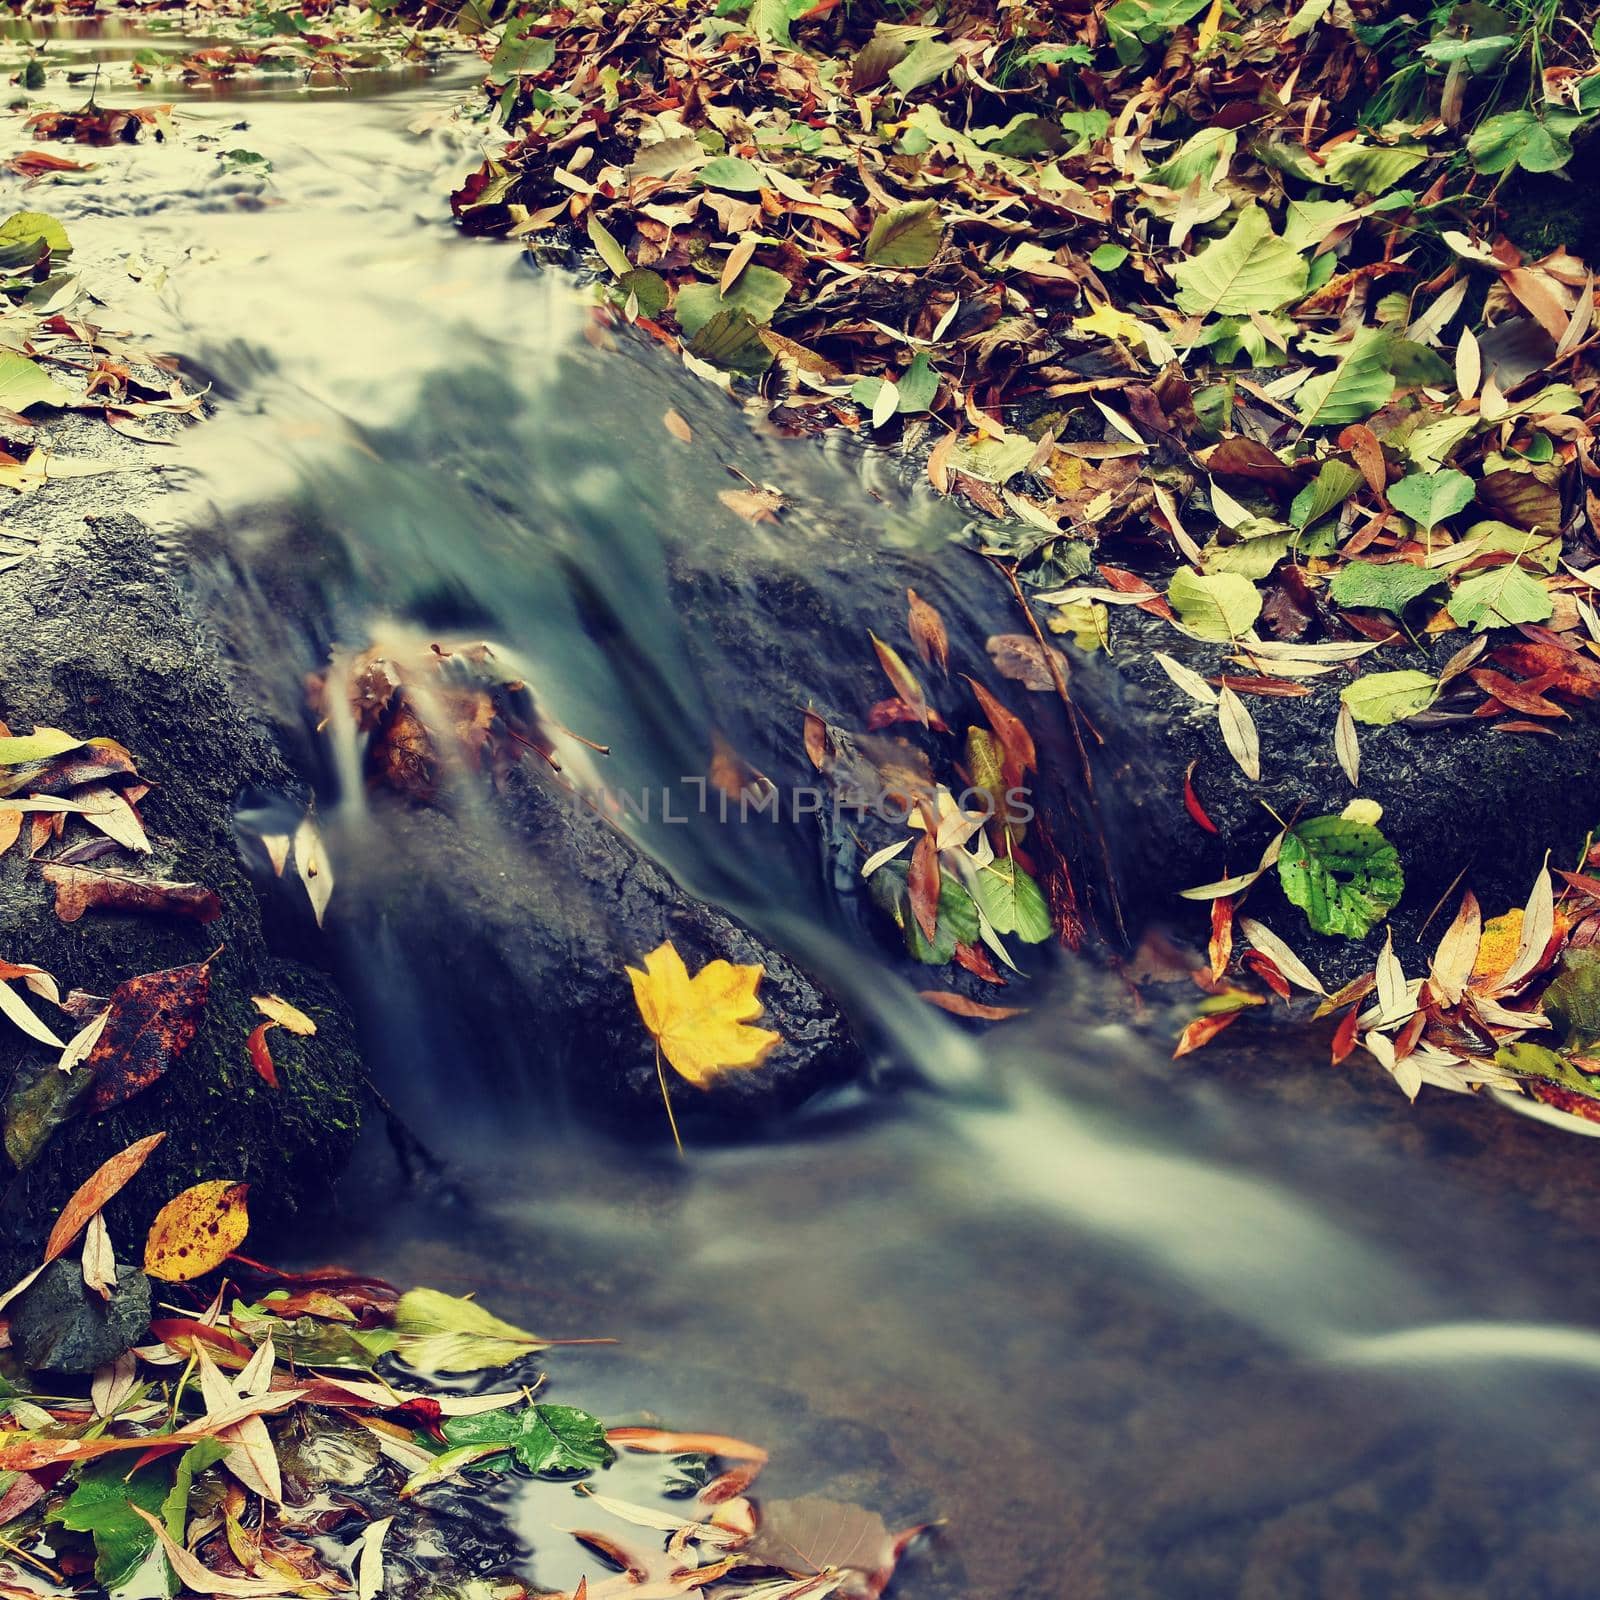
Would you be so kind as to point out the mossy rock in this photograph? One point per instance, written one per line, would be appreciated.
(101, 643)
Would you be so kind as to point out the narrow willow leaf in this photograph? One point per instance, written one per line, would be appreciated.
(1346, 745)
(1469, 364)
(1187, 679)
(1239, 733)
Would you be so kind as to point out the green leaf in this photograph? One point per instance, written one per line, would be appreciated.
(770, 19)
(1493, 537)
(1197, 157)
(518, 53)
(1370, 169)
(440, 1333)
(1251, 269)
(957, 924)
(648, 288)
(1384, 586)
(1431, 445)
(1357, 387)
(757, 292)
(1012, 901)
(1477, 53)
(1572, 1000)
(926, 60)
(1499, 598)
(1215, 605)
(1428, 498)
(1108, 257)
(908, 236)
(606, 246)
(1539, 1061)
(544, 1438)
(1326, 492)
(34, 227)
(916, 388)
(18, 749)
(102, 1505)
(193, 1461)
(24, 383)
(730, 340)
(1379, 698)
(1344, 875)
(732, 173)
(1519, 138)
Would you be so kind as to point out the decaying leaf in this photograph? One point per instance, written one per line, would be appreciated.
(196, 1231)
(153, 1018)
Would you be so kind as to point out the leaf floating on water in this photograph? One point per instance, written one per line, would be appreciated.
(544, 1438)
(441, 1333)
(196, 1231)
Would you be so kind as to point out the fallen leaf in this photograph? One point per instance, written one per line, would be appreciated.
(80, 889)
(153, 1019)
(196, 1231)
(960, 1005)
(702, 1023)
(443, 1333)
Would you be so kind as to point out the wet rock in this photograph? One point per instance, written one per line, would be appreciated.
(1464, 805)
(100, 641)
(517, 935)
(62, 1325)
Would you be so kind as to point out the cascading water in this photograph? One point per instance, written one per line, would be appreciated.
(1132, 1329)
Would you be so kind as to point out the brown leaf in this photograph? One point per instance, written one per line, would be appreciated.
(153, 1019)
(1251, 463)
(976, 960)
(90, 1197)
(80, 889)
(901, 678)
(1020, 657)
(813, 1535)
(1220, 948)
(754, 505)
(1561, 670)
(678, 428)
(923, 885)
(1521, 498)
(1367, 453)
(959, 1005)
(927, 631)
(1523, 697)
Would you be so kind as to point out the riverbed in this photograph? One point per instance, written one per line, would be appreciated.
(1122, 1328)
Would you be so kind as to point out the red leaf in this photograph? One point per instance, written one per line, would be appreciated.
(1191, 801)
(1344, 1036)
(260, 1055)
(959, 1005)
(1202, 1031)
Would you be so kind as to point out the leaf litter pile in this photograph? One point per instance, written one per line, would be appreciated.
(212, 1426)
(1204, 309)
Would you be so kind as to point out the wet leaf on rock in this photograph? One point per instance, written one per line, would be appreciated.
(1379, 698)
(153, 1019)
(1012, 901)
(1383, 586)
(1218, 605)
(702, 1023)
(1500, 597)
(1344, 875)
(196, 1231)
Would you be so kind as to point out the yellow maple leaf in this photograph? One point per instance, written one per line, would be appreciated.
(702, 1023)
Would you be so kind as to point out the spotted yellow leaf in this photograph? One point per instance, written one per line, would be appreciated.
(197, 1231)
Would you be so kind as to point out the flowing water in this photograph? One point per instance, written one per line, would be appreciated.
(1130, 1330)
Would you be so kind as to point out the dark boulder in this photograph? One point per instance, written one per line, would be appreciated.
(101, 642)
(62, 1325)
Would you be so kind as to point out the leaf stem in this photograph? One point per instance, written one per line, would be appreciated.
(666, 1100)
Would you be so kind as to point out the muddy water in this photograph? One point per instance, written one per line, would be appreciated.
(1129, 1330)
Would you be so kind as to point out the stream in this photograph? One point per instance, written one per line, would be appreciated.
(1129, 1329)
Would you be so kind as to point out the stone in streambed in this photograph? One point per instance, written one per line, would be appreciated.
(62, 1325)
